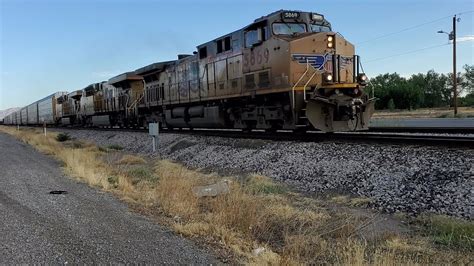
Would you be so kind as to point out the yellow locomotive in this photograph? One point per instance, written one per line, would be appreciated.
(286, 70)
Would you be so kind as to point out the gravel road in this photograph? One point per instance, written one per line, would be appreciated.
(84, 226)
(407, 178)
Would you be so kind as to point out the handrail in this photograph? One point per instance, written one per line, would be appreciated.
(296, 84)
(305, 85)
(134, 103)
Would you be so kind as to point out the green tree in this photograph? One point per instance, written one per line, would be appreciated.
(383, 86)
(420, 90)
(467, 100)
(467, 80)
(391, 105)
(433, 88)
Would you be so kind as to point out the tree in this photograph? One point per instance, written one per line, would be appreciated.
(391, 105)
(467, 100)
(383, 86)
(467, 80)
(420, 90)
(433, 87)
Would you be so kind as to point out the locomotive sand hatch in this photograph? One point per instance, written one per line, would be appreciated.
(287, 70)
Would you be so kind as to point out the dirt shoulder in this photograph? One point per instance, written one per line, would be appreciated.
(81, 226)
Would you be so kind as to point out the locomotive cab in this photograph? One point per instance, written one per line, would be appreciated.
(299, 53)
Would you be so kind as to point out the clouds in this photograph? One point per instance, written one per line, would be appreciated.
(467, 38)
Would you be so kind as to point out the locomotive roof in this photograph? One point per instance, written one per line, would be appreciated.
(124, 76)
(278, 12)
(75, 93)
(275, 14)
(57, 94)
(160, 66)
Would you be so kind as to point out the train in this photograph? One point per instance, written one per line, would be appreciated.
(287, 70)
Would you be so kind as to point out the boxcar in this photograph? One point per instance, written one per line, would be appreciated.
(24, 116)
(32, 114)
(47, 108)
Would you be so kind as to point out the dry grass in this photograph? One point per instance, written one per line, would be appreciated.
(259, 221)
(131, 159)
(424, 113)
(351, 201)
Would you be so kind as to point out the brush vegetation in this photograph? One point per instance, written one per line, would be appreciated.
(115, 147)
(61, 137)
(259, 221)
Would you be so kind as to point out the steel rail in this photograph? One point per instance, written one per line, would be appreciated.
(457, 141)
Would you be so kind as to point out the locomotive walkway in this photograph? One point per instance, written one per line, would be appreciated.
(83, 226)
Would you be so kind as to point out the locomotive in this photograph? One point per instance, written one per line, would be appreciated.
(287, 70)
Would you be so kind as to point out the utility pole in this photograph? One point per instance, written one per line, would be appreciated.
(455, 78)
(452, 37)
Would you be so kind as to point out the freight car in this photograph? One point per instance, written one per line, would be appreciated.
(37, 113)
(286, 70)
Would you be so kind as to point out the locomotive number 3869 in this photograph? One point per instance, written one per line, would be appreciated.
(256, 57)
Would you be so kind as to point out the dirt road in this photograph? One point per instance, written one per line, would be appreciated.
(83, 226)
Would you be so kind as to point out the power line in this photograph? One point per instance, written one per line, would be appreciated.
(405, 53)
(412, 27)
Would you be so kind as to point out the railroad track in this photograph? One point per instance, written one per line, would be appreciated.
(369, 137)
(451, 130)
(458, 141)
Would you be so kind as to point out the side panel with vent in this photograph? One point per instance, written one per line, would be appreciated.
(234, 70)
(221, 77)
(211, 80)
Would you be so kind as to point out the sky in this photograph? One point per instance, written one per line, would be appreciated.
(64, 45)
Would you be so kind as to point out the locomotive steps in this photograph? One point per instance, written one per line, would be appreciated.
(259, 220)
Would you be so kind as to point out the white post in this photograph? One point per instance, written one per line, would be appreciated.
(153, 131)
(18, 127)
(44, 128)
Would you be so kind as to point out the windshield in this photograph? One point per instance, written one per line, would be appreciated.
(288, 28)
(319, 28)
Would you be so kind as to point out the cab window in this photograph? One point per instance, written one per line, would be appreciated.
(281, 28)
(319, 28)
(251, 38)
(255, 34)
(223, 45)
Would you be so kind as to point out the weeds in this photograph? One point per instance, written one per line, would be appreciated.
(131, 159)
(61, 137)
(450, 232)
(113, 180)
(138, 174)
(257, 184)
(102, 149)
(115, 147)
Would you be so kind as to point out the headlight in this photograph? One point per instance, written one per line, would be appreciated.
(328, 77)
(330, 41)
(317, 17)
(362, 77)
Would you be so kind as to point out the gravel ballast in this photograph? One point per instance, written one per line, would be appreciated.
(412, 179)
